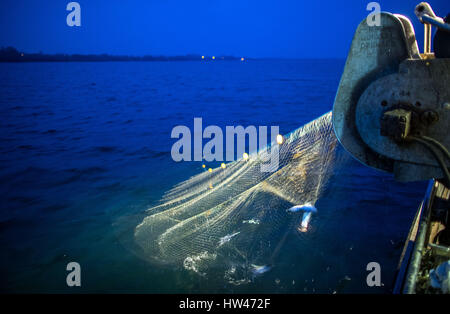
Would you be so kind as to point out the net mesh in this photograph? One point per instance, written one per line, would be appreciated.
(238, 215)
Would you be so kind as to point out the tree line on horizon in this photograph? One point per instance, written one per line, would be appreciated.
(11, 54)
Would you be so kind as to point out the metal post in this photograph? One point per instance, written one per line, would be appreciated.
(427, 39)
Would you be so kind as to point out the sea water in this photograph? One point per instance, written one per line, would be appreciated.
(85, 151)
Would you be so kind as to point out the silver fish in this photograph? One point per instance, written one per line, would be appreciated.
(227, 238)
(307, 207)
(307, 210)
(259, 270)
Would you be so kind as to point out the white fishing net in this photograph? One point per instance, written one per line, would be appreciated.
(236, 218)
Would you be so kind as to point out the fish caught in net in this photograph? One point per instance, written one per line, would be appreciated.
(236, 219)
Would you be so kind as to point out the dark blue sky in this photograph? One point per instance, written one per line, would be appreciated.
(252, 28)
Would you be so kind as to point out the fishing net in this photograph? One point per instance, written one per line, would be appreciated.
(236, 218)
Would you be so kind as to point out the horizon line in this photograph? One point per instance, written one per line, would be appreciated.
(133, 57)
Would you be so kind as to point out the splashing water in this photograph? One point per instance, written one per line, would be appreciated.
(194, 221)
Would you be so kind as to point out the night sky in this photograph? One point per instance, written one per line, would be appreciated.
(249, 28)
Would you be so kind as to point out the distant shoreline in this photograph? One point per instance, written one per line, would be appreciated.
(12, 55)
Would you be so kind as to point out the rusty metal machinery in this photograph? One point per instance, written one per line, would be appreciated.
(392, 107)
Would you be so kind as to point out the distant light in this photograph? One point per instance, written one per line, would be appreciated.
(203, 57)
(245, 156)
(213, 57)
(203, 166)
(242, 59)
(21, 54)
(223, 166)
(210, 186)
(280, 139)
(210, 170)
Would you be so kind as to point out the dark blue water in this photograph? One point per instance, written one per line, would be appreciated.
(85, 150)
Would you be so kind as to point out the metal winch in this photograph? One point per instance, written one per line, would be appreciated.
(392, 108)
